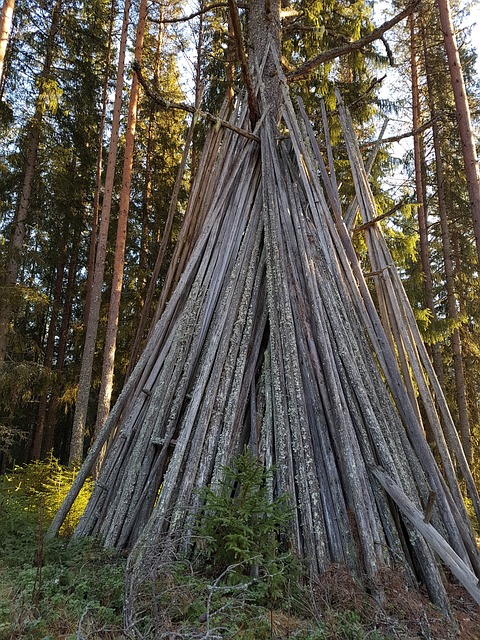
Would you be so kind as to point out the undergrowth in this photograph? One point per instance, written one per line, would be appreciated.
(241, 582)
(51, 590)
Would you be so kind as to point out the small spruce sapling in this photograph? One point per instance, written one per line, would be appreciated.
(240, 524)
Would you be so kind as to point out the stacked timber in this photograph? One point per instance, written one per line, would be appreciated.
(270, 340)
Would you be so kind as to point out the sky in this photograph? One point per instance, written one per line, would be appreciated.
(474, 19)
(390, 86)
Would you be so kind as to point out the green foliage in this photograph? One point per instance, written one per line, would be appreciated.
(242, 525)
(27, 487)
(67, 587)
(46, 589)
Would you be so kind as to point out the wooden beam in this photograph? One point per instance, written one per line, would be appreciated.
(456, 565)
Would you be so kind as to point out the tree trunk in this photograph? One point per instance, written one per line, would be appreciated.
(49, 434)
(460, 387)
(264, 30)
(36, 449)
(6, 17)
(23, 205)
(147, 193)
(463, 116)
(98, 176)
(117, 279)
(165, 236)
(80, 416)
(420, 189)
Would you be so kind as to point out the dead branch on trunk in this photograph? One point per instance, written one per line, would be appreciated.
(196, 14)
(247, 76)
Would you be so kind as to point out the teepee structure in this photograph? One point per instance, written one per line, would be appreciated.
(271, 340)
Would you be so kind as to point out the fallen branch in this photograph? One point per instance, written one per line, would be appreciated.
(337, 52)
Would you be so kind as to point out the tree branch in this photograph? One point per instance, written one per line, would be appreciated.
(215, 5)
(401, 136)
(153, 94)
(370, 88)
(391, 59)
(382, 216)
(376, 34)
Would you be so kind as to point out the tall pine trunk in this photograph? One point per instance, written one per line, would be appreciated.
(98, 174)
(119, 261)
(23, 205)
(463, 116)
(148, 184)
(422, 211)
(458, 365)
(85, 378)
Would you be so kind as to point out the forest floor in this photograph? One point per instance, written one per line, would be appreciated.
(74, 590)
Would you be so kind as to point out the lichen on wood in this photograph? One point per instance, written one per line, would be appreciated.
(271, 341)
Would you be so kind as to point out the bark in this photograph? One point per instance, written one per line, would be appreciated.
(420, 189)
(36, 449)
(83, 394)
(458, 365)
(6, 17)
(98, 175)
(463, 116)
(271, 325)
(17, 239)
(264, 32)
(119, 259)
(271, 341)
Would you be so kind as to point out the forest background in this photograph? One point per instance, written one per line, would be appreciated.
(89, 167)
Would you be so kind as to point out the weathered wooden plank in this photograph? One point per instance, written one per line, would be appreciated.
(456, 565)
